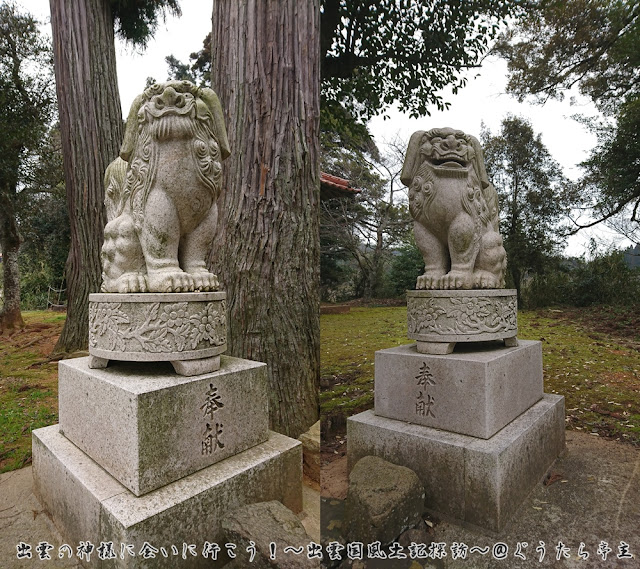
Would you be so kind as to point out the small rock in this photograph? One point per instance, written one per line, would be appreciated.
(419, 534)
(383, 500)
(264, 523)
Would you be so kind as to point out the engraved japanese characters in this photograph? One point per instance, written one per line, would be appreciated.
(161, 192)
(455, 211)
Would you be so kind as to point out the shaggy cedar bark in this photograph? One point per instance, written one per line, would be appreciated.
(91, 129)
(10, 240)
(266, 72)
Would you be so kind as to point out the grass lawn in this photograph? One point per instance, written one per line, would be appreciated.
(591, 356)
(28, 385)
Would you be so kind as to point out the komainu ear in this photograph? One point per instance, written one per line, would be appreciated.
(215, 108)
(131, 129)
(478, 162)
(412, 158)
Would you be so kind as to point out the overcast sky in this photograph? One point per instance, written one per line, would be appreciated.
(482, 100)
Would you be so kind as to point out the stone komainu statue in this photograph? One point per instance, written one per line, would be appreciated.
(161, 192)
(455, 211)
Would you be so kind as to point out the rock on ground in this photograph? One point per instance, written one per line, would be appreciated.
(383, 500)
(265, 523)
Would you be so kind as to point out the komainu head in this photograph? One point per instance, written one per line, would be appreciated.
(455, 211)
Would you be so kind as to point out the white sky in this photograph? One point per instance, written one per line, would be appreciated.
(482, 100)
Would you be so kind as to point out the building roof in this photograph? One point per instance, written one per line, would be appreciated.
(334, 187)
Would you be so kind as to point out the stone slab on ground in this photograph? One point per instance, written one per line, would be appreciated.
(311, 451)
(89, 505)
(470, 480)
(474, 391)
(383, 500)
(264, 524)
(149, 427)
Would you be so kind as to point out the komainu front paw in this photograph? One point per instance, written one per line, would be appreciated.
(131, 282)
(485, 279)
(429, 281)
(205, 281)
(126, 283)
(170, 280)
(457, 280)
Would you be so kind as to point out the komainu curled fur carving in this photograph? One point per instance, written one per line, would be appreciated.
(161, 192)
(455, 211)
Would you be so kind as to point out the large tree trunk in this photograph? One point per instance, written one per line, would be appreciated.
(10, 240)
(91, 129)
(266, 72)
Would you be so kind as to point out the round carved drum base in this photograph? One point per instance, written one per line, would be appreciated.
(438, 319)
(152, 327)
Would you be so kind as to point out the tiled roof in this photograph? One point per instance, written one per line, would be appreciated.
(334, 187)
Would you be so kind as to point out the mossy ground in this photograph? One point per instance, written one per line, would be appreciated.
(591, 356)
(28, 385)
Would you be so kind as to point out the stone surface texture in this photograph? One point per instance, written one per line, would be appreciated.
(87, 504)
(157, 327)
(148, 427)
(161, 192)
(462, 315)
(383, 500)
(475, 391)
(455, 211)
(265, 523)
(311, 451)
(466, 479)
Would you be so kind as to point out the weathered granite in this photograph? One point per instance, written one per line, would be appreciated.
(468, 480)
(455, 211)
(450, 316)
(254, 527)
(157, 327)
(475, 391)
(311, 451)
(161, 192)
(148, 427)
(383, 500)
(88, 505)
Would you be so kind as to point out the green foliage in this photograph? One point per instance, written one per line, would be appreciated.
(612, 171)
(375, 54)
(534, 196)
(594, 44)
(137, 20)
(406, 267)
(198, 70)
(604, 279)
(27, 100)
(368, 227)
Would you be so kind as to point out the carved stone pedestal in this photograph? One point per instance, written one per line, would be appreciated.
(144, 456)
(477, 482)
(187, 329)
(477, 390)
(178, 523)
(474, 423)
(439, 319)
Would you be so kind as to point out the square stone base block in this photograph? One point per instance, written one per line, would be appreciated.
(468, 480)
(476, 390)
(148, 427)
(88, 505)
